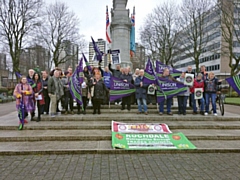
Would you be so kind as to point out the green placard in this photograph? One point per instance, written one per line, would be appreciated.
(150, 141)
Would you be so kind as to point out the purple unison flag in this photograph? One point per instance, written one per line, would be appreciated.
(234, 82)
(75, 83)
(97, 51)
(120, 88)
(160, 67)
(86, 62)
(30, 81)
(21, 111)
(167, 89)
(149, 73)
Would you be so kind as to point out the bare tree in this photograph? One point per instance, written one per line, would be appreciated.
(17, 20)
(59, 30)
(230, 26)
(159, 32)
(193, 37)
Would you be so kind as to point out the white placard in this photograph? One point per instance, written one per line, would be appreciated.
(115, 55)
(39, 97)
(151, 90)
(198, 93)
(189, 78)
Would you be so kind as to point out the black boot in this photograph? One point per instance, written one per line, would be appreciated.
(39, 119)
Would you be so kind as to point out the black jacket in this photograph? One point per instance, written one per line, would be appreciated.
(99, 89)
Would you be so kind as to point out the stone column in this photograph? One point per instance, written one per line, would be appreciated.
(120, 30)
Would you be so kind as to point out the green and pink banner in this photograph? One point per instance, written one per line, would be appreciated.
(143, 141)
(140, 127)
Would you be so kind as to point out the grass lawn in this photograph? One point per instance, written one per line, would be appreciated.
(235, 100)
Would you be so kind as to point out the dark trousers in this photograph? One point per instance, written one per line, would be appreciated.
(96, 105)
(47, 103)
(68, 100)
(126, 100)
(40, 108)
(182, 104)
(84, 99)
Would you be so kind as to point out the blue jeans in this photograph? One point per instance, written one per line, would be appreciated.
(213, 97)
(140, 102)
(169, 105)
(182, 104)
(194, 104)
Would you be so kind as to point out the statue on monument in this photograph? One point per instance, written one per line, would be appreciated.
(119, 4)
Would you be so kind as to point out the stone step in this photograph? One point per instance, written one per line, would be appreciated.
(94, 135)
(107, 111)
(106, 125)
(104, 147)
(130, 116)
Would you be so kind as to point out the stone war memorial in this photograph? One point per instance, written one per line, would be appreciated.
(120, 30)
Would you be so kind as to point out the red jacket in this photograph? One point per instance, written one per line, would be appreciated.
(197, 84)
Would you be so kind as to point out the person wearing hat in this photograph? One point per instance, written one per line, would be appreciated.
(98, 91)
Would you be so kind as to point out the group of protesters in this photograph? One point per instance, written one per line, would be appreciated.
(47, 90)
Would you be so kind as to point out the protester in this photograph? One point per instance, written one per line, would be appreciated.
(45, 92)
(30, 77)
(126, 77)
(198, 83)
(38, 94)
(182, 98)
(166, 75)
(84, 90)
(68, 99)
(107, 81)
(136, 74)
(190, 71)
(55, 91)
(211, 87)
(141, 92)
(116, 73)
(23, 92)
(86, 73)
(98, 92)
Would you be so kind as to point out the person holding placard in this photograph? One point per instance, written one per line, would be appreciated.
(197, 93)
(38, 94)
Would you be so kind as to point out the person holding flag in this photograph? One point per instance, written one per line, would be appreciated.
(126, 77)
(166, 76)
(24, 102)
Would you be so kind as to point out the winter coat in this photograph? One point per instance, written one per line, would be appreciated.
(211, 85)
(115, 73)
(39, 89)
(99, 89)
(128, 77)
(197, 84)
(141, 92)
(180, 79)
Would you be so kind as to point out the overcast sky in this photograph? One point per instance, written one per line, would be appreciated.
(92, 14)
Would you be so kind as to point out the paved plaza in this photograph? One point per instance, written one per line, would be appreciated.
(133, 167)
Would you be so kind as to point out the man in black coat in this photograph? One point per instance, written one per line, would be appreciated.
(126, 77)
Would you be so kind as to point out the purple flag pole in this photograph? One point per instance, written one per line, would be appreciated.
(97, 51)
